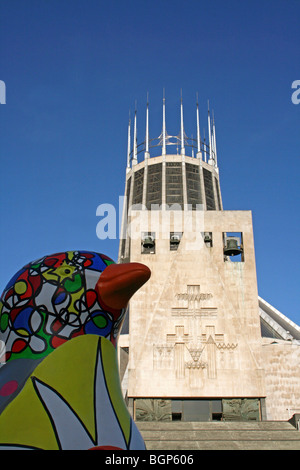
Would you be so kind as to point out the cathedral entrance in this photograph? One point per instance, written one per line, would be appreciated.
(219, 409)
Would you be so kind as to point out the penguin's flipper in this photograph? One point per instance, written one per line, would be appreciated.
(13, 376)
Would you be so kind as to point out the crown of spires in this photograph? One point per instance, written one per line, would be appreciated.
(207, 152)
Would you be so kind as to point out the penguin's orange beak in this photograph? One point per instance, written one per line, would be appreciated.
(119, 282)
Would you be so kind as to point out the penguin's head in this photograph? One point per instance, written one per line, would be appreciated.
(64, 295)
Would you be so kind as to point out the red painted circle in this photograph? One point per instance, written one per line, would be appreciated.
(8, 388)
(105, 448)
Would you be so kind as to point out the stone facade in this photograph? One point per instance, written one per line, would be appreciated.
(195, 330)
(194, 327)
(281, 361)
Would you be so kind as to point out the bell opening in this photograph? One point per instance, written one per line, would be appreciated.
(233, 247)
(148, 243)
(207, 238)
(175, 238)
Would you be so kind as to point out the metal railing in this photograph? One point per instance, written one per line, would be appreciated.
(173, 140)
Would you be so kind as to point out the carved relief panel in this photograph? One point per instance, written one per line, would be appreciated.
(194, 348)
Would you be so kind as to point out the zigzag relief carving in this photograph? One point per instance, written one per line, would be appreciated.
(181, 352)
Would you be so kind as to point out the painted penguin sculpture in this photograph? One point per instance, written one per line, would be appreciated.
(60, 317)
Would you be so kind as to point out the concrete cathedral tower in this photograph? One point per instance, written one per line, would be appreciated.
(192, 349)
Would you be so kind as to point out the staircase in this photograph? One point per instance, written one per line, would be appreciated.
(219, 435)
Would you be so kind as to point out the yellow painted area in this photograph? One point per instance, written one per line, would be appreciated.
(110, 367)
(20, 287)
(59, 273)
(25, 422)
(22, 332)
(74, 297)
(70, 255)
(69, 370)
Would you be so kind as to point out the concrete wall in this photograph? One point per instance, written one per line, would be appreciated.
(194, 327)
(281, 361)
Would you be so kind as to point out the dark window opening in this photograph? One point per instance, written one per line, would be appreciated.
(138, 187)
(154, 186)
(233, 246)
(175, 238)
(148, 243)
(193, 185)
(217, 416)
(174, 189)
(218, 193)
(207, 238)
(209, 190)
(176, 416)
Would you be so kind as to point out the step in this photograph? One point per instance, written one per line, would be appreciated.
(234, 435)
(224, 435)
(223, 445)
(214, 425)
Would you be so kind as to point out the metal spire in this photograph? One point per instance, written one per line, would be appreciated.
(128, 145)
(192, 146)
(164, 125)
(215, 142)
(198, 132)
(181, 127)
(147, 129)
(134, 161)
(204, 147)
(209, 136)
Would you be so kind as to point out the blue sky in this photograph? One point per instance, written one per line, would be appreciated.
(74, 68)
